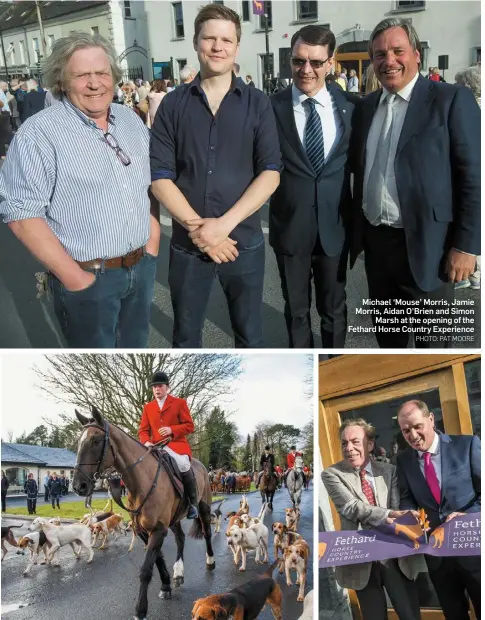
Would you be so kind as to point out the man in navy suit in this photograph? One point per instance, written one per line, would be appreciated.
(441, 473)
(309, 211)
(417, 182)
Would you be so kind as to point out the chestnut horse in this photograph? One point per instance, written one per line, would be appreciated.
(153, 502)
(268, 484)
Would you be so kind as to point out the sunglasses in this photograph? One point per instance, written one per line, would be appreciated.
(112, 142)
(315, 64)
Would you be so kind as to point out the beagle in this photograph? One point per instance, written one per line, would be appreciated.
(244, 602)
(283, 537)
(292, 518)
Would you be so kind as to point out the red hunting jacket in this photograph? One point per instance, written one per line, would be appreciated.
(174, 414)
(290, 458)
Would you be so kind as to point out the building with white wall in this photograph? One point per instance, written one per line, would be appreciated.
(445, 28)
(123, 23)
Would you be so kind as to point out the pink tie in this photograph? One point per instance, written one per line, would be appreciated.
(431, 477)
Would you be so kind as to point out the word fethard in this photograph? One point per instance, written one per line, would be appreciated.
(428, 319)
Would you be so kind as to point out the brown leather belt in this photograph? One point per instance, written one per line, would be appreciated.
(128, 260)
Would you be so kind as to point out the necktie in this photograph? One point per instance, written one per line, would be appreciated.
(313, 137)
(378, 174)
(366, 488)
(431, 477)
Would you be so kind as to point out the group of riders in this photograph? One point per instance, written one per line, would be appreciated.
(165, 424)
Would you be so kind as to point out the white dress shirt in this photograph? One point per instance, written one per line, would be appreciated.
(435, 457)
(161, 402)
(328, 113)
(391, 210)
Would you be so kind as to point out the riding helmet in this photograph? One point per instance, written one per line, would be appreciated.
(160, 378)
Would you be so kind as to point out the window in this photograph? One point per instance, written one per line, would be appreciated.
(35, 45)
(181, 63)
(11, 51)
(94, 30)
(127, 8)
(410, 4)
(22, 52)
(218, 1)
(50, 41)
(178, 18)
(17, 476)
(246, 16)
(307, 10)
(268, 15)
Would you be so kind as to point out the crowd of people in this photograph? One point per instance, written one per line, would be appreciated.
(318, 153)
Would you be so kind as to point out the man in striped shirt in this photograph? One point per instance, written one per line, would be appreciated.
(75, 191)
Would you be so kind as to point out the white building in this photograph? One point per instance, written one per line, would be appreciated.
(123, 23)
(445, 28)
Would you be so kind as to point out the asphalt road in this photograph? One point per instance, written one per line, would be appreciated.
(108, 587)
(30, 323)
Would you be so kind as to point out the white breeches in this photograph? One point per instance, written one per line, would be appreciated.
(182, 460)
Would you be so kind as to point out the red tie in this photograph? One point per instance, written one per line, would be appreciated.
(366, 488)
(431, 477)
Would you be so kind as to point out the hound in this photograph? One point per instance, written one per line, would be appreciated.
(7, 536)
(234, 521)
(98, 516)
(247, 539)
(245, 601)
(283, 538)
(60, 535)
(111, 525)
(292, 518)
(216, 517)
(296, 558)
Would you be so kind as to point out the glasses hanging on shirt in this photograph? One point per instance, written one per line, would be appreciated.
(112, 142)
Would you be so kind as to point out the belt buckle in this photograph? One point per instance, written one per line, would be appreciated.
(129, 259)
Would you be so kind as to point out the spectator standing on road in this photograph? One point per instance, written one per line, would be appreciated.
(60, 193)
(55, 490)
(34, 100)
(188, 74)
(353, 84)
(14, 110)
(249, 81)
(155, 96)
(309, 212)
(215, 161)
(31, 488)
(4, 489)
(47, 479)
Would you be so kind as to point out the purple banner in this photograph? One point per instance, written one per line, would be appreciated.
(258, 7)
(404, 537)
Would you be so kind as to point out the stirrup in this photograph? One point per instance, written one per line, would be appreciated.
(192, 512)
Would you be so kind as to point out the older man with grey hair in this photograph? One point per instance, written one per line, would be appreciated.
(187, 74)
(75, 191)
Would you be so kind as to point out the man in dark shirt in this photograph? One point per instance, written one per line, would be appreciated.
(215, 161)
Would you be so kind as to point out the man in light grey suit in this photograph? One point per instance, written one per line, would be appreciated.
(366, 493)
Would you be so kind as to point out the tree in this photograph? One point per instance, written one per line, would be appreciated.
(38, 437)
(119, 385)
(246, 457)
(307, 448)
(219, 438)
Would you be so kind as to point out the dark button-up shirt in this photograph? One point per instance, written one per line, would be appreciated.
(214, 159)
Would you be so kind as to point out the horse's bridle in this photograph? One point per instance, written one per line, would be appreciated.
(97, 474)
(93, 477)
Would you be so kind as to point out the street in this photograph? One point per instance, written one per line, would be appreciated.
(108, 588)
(30, 323)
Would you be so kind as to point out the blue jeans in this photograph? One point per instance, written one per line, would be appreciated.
(112, 312)
(190, 278)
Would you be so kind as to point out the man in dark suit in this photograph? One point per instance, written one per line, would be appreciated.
(417, 182)
(308, 212)
(441, 473)
(34, 100)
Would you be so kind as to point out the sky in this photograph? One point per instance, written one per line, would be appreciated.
(271, 389)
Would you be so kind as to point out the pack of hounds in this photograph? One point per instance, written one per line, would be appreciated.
(245, 534)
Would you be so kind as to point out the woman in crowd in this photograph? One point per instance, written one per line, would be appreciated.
(353, 85)
(5, 485)
(31, 488)
(155, 96)
(371, 82)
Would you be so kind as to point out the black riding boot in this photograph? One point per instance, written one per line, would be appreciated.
(190, 487)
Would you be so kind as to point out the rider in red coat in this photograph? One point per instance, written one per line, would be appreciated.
(168, 416)
(290, 459)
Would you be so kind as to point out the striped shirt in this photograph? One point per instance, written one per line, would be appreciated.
(60, 168)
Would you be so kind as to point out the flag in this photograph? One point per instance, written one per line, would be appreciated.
(258, 7)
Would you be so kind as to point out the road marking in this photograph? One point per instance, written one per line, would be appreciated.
(13, 607)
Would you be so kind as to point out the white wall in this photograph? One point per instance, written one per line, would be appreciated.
(451, 28)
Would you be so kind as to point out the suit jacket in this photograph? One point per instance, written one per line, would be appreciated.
(305, 205)
(460, 479)
(174, 414)
(437, 169)
(345, 490)
(33, 103)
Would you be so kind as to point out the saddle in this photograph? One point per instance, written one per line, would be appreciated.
(170, 466)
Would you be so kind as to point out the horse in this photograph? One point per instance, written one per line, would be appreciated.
(268, 484)
(294, 482)
(152, 500)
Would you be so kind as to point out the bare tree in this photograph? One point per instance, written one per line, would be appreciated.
(119, 385)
